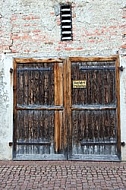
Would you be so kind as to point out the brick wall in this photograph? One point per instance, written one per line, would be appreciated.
(29, 26)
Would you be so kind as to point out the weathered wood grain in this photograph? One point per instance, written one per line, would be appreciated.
(38, 106)
(94, 108)
(93, 59)
(53, 120)
(118, 105)
(35, 60)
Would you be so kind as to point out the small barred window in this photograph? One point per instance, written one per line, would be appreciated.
(66, 22)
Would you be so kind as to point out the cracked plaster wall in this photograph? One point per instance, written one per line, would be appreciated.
(6, 108)
(29, 26)
(123, 105)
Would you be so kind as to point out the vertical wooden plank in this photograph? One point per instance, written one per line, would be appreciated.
(58, 100)
(15, 105)
(61, 129)
(58, 130)
(58, 82)
(68, 108)
(118, 105)
(65, 128)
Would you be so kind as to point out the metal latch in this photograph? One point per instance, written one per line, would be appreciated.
(11, 70)
(123, 143)
(10, 143)
(121, 68)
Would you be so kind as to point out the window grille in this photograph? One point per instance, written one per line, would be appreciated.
(66, 22)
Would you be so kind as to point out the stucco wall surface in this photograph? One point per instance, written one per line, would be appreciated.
(6, 108)
(29, 26)
(123, 105)
(32, 29)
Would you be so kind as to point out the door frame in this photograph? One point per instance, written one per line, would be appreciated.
(67, 96)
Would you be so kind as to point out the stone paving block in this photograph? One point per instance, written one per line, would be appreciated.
(62, 175)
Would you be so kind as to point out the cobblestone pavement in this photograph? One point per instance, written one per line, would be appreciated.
(62, 175)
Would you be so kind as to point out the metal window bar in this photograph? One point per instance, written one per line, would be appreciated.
(96, 67)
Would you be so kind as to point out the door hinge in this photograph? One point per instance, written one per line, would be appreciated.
(14, 88)
(121, 68)
(11, 70)
(13, 117)
(123, 143)
(10, 143)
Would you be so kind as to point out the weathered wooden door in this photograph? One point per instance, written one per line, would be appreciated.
(94, 129)
(66, 109)
(39, 113)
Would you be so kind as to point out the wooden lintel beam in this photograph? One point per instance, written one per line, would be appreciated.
(35, 60)
(92, 59)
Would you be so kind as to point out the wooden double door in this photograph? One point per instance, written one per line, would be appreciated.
(66, 109)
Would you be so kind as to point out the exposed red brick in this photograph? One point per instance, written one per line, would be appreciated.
(14, 51)
(15, 37)
(25, 37)
(123, 46)
(80, 48)
(36, 31)
(69, 48)
(31, 27)
(52, 13)
(30, 17)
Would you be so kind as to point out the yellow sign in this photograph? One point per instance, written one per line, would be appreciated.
(79, 83)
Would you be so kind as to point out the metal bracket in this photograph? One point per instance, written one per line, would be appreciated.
(121, 68)
(123, 143)
(10, 143)
(11, 70)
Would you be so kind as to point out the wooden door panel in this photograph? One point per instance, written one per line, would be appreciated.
(94, 110)
(94, 129)
(58, 132)
(39, 111)
(35, 84)
(100, 83)
(34, 131)
(58, 99)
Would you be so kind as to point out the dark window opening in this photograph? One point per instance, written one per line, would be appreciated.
(66, 22)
